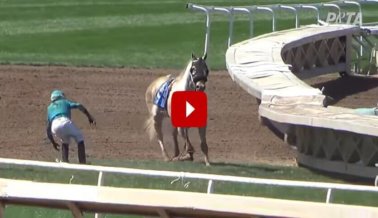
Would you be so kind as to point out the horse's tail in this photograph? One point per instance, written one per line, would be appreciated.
(149, 127)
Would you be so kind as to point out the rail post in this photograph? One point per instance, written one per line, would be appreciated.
(230, 23)
(359, 9)
(291, 8)
(360, 18)
(273, 15)
(250, 14)
(100, 181)
(210, 187)
(329, 196)
(313, 8)
(334, 6)
(208, 23)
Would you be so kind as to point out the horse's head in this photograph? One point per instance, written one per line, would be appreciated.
(199, 72)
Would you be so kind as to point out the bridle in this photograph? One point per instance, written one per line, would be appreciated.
(195, 75)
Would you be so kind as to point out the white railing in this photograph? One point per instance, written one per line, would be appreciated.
(211, 178)
(271, 9)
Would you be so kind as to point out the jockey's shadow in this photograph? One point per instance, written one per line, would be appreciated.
(342, 87)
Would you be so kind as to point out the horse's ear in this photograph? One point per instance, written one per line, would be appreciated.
(204, 56)
(194, 57)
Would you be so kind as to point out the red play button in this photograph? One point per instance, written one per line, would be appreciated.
(189, 109)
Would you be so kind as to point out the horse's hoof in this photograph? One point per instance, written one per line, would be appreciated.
(186, 156)
(176, 158)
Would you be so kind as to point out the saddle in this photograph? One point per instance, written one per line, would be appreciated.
(161, 97)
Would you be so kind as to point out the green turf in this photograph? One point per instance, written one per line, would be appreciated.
(129, 33)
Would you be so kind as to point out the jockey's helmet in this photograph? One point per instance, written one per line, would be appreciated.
(56, 94)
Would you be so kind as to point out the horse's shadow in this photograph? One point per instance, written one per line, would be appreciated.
(342, 87)
(248, 168)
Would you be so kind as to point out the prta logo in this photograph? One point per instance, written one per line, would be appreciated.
(352, 18)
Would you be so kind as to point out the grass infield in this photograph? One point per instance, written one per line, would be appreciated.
(126, 33)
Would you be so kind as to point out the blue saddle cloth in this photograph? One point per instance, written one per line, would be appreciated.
(162, 94)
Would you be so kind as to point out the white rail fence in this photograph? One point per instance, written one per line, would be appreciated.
(211, 178)
(252, 10)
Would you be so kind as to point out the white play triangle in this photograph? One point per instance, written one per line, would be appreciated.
(188, 109)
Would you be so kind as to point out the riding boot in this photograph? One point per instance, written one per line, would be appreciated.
(81, 151)
(65, 152)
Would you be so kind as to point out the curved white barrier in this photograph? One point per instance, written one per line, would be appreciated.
(269, 67)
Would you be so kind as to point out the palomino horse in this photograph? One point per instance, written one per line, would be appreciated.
(193, 78)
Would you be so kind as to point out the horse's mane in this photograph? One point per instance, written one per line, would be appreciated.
(179, 77)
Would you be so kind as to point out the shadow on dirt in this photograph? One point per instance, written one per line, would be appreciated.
(345, 86)
(249, 168)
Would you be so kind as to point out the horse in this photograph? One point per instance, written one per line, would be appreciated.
(193, 78)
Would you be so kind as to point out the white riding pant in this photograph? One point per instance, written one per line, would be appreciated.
(64, 129)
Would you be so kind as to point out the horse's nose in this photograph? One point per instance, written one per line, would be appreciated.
(200, 86)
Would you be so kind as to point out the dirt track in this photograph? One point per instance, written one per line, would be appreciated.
(116, 98)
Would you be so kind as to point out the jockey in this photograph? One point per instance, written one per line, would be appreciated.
(367, 111)
(59, 123)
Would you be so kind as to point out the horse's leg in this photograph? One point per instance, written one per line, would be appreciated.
(175, 142)
(178, 155)
(204, 148)
(188, 147)
(158, 121)
(182, 134)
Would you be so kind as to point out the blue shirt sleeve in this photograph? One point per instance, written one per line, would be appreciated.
(74, 104)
